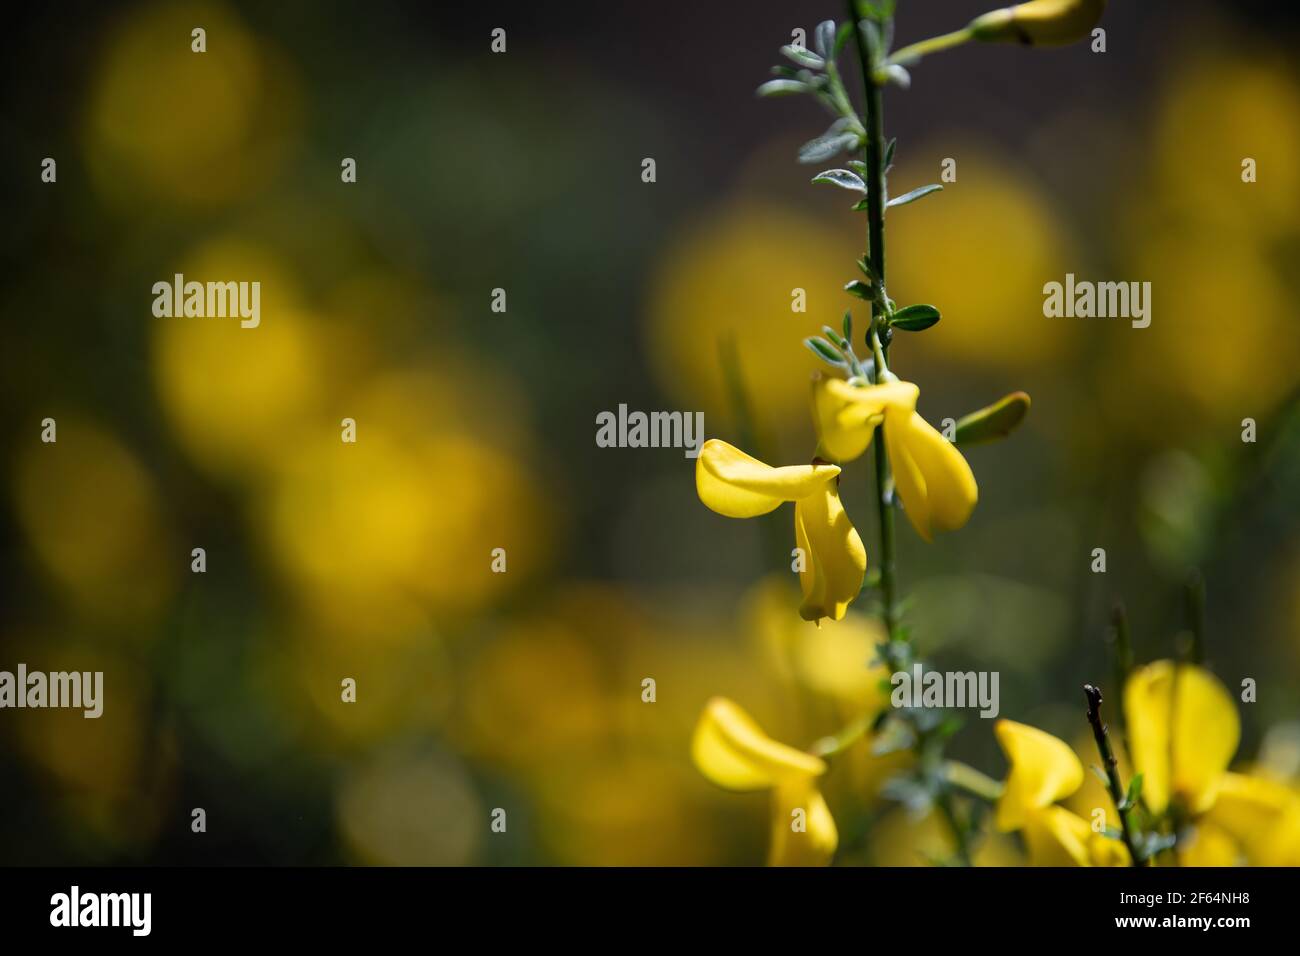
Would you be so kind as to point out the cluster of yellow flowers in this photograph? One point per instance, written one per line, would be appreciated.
(933, 479)
(1181, 729)
(1183, 732)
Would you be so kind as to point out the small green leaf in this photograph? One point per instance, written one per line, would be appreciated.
(1101, 774)
(824, 39)
(865, 265)
(848, 326)
(914, 318)
(859, 288)
(825, 146)
(1134, 793)
(782, 87)
(889, 152)
(914, 195)
(797, 54)
(859, 167)
(862, 205)
(998, 421)
(834, 336)
(842, 37)
(842, 178)
(824, 350)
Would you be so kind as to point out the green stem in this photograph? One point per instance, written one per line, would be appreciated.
(837, 743)
(933, 45)
(874, 156)
(1114, 785)
(967, 779)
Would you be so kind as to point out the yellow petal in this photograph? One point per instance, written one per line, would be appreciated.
(733, 752)
(1262, 816)
(1056, 837)
(1043, 770)
(933, 478)
(803, 830)
(835, 560)
(846, 415)
(1208, 845)
(1181, 741)
(738, 486)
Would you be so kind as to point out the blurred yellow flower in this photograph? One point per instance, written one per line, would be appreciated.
(932, 477)
(1183, 730)
(734, 279)
(833, 660)
(1261, 816)
(236, 397)
(834, 560)
(998, 241)
(90, 510)
(1043, 771)
(198, 129)
(733, 752)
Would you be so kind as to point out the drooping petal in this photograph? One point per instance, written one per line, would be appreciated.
(738, 486)
(803, 830)
(846, 415)
(933, 478)
(1183, 731)
(835, 560)
(733, 752)
(1043, 770)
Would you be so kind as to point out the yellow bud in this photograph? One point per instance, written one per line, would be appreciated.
(1039, 22)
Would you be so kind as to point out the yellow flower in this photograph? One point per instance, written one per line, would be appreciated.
(1259, 815)
(1057, 837)
(1044, 770)
(933, 479)
(1040, 22)
(732, 751)
(835, 562)
(1183, 731)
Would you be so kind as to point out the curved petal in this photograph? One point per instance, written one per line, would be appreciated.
(733, 752)
(835, 559)
(846, 415)
(1056, 837)
(738, 486)
(1043, 770)
(933, 478)
(803, 830)
(1183, 731)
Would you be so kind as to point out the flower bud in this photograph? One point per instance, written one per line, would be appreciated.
(1039, 22)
